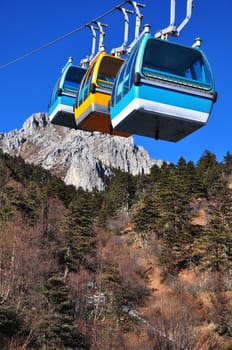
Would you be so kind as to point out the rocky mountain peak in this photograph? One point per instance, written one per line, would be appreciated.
(80, 158)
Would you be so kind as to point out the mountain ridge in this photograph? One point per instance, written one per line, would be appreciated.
(80, 158)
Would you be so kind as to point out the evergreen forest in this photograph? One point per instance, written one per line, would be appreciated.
(144, 265)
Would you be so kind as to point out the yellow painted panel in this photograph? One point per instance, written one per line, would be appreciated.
(96, 120)
(101, 99)
(79, 111)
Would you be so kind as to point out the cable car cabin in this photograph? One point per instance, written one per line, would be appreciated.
(63, 97)
(92, 105)
(163, 90)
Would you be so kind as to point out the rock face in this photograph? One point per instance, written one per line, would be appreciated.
(80, 158)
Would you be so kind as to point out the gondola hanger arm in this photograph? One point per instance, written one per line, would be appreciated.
(188, 16)
(93, 30)
(84, 62)
(139, 16)
(138, 21)
(100, 26)
(172, 29)
(122, 49)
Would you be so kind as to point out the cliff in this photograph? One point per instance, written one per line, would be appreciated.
(80, 158)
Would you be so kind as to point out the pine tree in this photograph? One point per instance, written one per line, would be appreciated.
(145, 214)
(59, 327)
(208, 172)
(118, 196)
(77, 226)
(227, 164)
(218, 233)
(174, 203)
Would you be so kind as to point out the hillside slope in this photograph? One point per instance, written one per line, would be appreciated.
(134, 267)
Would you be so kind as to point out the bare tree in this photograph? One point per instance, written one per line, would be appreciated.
(174, 324)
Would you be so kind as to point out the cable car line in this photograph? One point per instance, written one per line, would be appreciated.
(62, 37)
(30, 53)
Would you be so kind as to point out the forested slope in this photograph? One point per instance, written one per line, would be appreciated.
(144, 265)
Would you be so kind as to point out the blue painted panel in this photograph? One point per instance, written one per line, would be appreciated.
(175, 98)
(64, 100)
(164, 96)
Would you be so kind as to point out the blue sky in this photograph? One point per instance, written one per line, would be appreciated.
(26, 85)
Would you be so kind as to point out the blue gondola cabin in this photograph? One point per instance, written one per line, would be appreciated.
(61, 110)
(163, 90)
